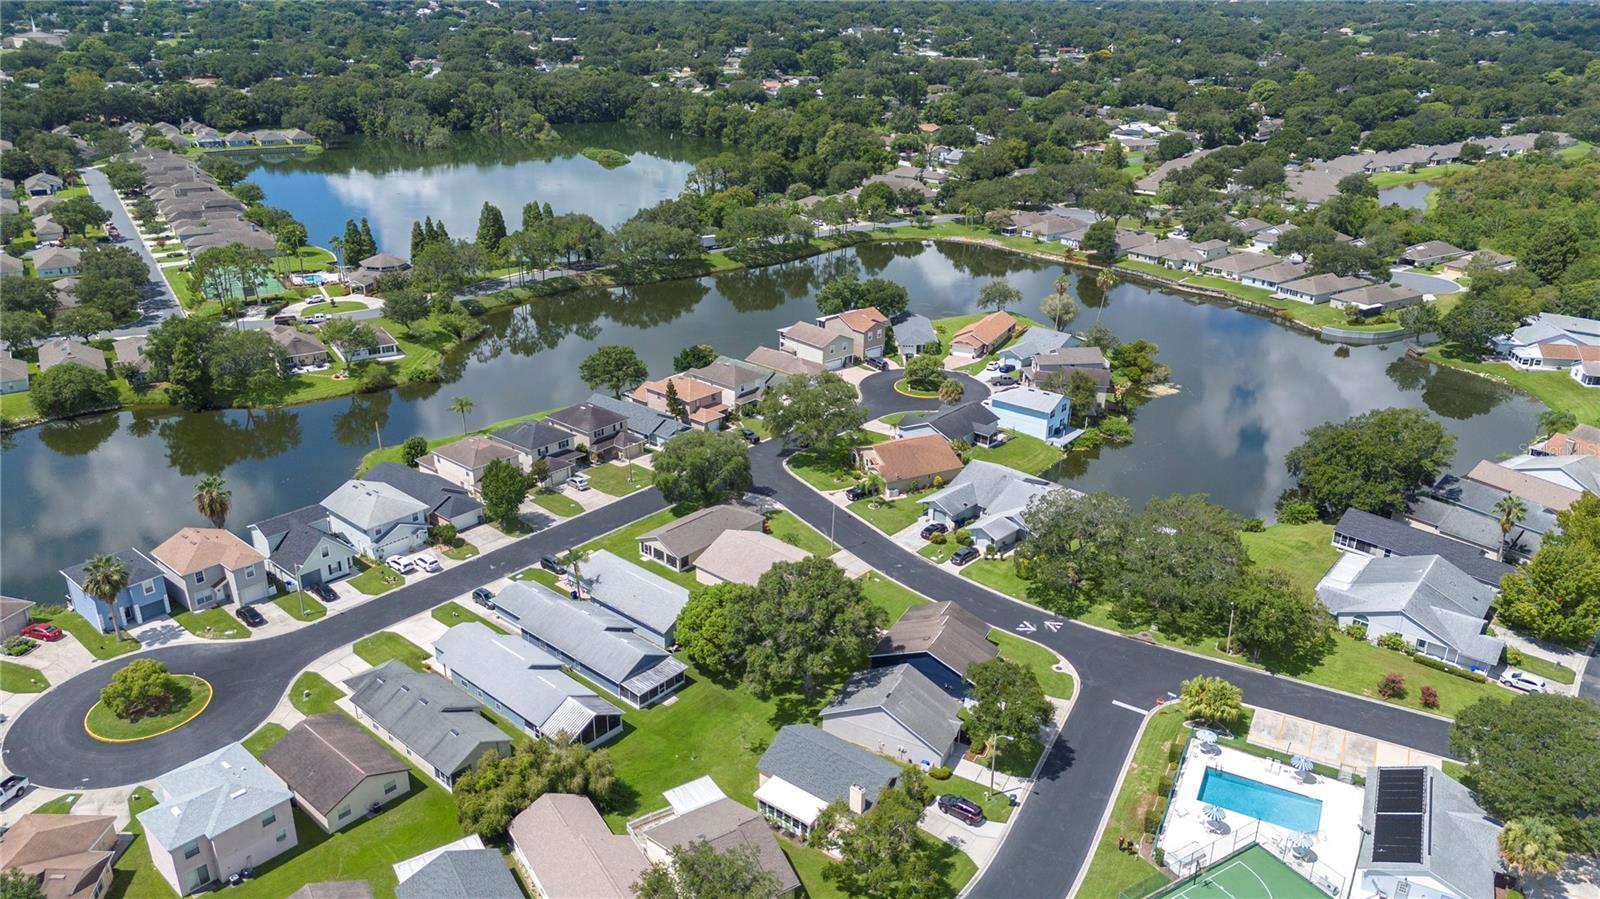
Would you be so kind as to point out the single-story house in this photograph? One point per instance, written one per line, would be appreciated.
(1374, 299)
(646, 599)
(216, 816)
(68, 856)
(50, 261)
(1430, 252)
(1232, 265)
(939, 639)
(972, 422)
(677, 545)
(1553, 482)
(654, 428)
(42, 184)
(525, 685)
(805, 769)
(742, 557)
(239, 139)
(865, 327)
(568, 852)
(385, 347)
(784, 363)
(13, 374)
(334, 889)
(604, 433)
(1434, 605)
(1373, 535)
(1570, 356)
(1320, 288)
(1033, 342)
(146, 598)
(301, 349)
(1549, 328)
(896, 711)
(447, 503)
(301, 548)
(1034, 412)
(598, 644)
(463, 462)
(1587, 372)
(909, 463)
(337, 772)
(699, 810)
(913, 333)
(988, 499)
(531, 441)
(15, 614)
(10, 266)
(819, 346)
(1425, 835)
(464, 869)
(211, 566)
(1484, 258)
(268, 138)
(1274, 276)
(129, 353)
(378, 520)
(983, 336)
(1463, 509)
(59, 350)
(1581, 440)
(426, 717)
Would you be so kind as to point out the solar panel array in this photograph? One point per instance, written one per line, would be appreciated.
(1398, 823)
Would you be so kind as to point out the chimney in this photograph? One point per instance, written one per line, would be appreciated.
(858, 799)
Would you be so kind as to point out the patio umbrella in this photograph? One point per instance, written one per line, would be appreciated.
(1205, 736)
(1213, 813)
(1301, 763)
(1303, 841)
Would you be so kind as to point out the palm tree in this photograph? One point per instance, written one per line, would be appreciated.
(1530, 846)
(574, 559)
(104, 579)
(1512, 511)
(951, 391)
(1105, 280)
(213, 499)
(1059, 304)
(462, 404)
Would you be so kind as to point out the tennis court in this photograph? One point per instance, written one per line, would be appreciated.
(1251, 873)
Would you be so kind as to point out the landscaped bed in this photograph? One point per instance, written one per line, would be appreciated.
(189, 697)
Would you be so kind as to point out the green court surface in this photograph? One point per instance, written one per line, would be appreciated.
(1251, 873)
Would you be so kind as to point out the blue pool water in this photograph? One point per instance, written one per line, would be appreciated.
(1255, 799)
(314, 279)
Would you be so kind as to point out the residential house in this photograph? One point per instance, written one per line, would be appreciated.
(909, 463)
(983, 336)
(144, 599)
(914, 334)
(600, 645)
(15, 614)
(1319, 288)
(818, 346)
(867, 329)
(384, 346)
(60, 350)
(447, 502)
(68, 856)
(1583, 440)
(1088, 359)
(568, 852)
(13, 374)
(1424, 835)
(1483, 258)
(530, 441)
(301, 548)
(1373, 535)
(525, 685)
(806, 769)
(939, 639)
(463, 462)
(1274, 276)
(1544, 330)
(464, 869)
(10, 266)
(1233, 265)
(429, 719)
(742, 557)
(1430, 252)
(699, 810)
(603, 433)
(129, 353)
(211, 566)
(337, 772)
(654, 428)
(270, 138)
(1464, 509)
(296, 136)
(679, 543)
(988, 499)
(302, 351)
(702, 402)
(1375, 299)
(238, 139)
(1436, 607)
(896, 711)
(647, 600)
(47, 262)
(784, 363)
(1576, 358)
(378, 520)
(1034, 412)
(215, 817)
(1554, 482)
(42, 184)
(971, 422)
(55, 262)
(1031, 343)
(207, 138)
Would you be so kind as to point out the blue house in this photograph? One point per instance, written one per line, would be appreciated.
(1037, 413)
(144, 599)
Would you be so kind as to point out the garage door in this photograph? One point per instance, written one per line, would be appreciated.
(152, 610)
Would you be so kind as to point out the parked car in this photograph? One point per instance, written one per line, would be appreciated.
(400, 564)
(483, 596)
(550, 564)
(251, 616)
(427, 563)
(879, 364)
(750, 437)
(960, 808)
(579, 482)
(1522, 680)
(324, 592)
(315, 319)
(855, 492)
(963, 555)
(12, 788)
(994, 365)
(40, 630)
(1003, 381)
(935, 528)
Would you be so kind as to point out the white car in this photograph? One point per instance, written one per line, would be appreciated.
(401, 564)
(315, 319)
(12, 788)
(427, 563)
(1522, 680)
(994, 365)
(579, 482)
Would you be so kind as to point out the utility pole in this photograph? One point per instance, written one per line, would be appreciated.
(1228, 647)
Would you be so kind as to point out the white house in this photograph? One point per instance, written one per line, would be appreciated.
(1532, 344)
(1032, 411)
(1425, 837)
(377, 519)
(1435, 606)
(988, 499)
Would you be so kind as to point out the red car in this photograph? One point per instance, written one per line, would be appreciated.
(42, 631)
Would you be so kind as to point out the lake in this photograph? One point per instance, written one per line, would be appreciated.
(1409, 196)
(1248, 391)
(393, 186)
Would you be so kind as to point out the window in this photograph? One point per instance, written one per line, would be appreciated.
(250, 572)
(344, 813)
(191, 850)
(282, 835)
(390, 787)
(324, 552)
(269, 818)
(199, 577)
(149, 587)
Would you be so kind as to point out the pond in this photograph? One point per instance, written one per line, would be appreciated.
(1248, 390)
(393, 186)
(1409, 196)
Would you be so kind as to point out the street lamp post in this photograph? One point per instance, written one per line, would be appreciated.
(994, 750)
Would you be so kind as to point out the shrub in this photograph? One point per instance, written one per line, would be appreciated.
(1295, 511)
(1023, 566)
(415, 447)
(1116, 431)
(1392, 641)
(1159, 856)
(1392, 686)
(141, 688)
(1174, 750)
(938, 481)
(962, 536)
(67, 390)
(939, 772)
(1430, 697)
(471, 307)
(376, 378)
(1164, 785)
(1515, 658)
(1447, 668)
(1254, 525)
(1152, 819)
(1355, 630)
(938, 539)
(444, 534)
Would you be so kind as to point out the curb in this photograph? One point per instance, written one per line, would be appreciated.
(1116, 788)
(198, 712)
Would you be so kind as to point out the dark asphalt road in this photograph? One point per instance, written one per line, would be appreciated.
(159, 301)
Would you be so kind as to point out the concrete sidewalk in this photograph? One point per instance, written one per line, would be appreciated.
(1331, 746)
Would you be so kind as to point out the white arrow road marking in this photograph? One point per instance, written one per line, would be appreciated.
(1026, 627)
(1053, 625)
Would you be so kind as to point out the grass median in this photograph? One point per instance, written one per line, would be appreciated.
(189, 697)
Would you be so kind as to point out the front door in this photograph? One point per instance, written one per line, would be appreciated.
(127, 615)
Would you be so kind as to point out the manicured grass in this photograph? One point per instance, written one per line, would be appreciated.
(459, 553)
(904, 386)
(996, 805)
(16, 408)
(615, 479)
(937, 552)
(394, 453)
(791, 530)
(295, 602)
(101, 646)
(377, 579)
(624, 543)
(832, 466)
(890, 596)
(312, 694)
(1381, 180)
(890, 515)
(1110, 869)
(335, 307)
(1023, 452)
(375, 649)
(259, 742)
(15, 678)
(453, 613)
(558, 504)
(215, 623)
(1041, 660)
(61, 805)
(1545, 668)
(997, 574)
(1555, 389)
(1303, 552)
(189, 696)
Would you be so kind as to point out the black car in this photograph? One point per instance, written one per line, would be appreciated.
(324, 592)
(878, 364)
(751, 437)
(251, 616)
(856, 492)
(483, 596)
(1003, 381)
(549, 563)
(960, 808)
(935, 528)
(963, 555)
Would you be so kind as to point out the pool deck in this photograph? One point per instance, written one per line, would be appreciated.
(1331, 746)
(1187, 839)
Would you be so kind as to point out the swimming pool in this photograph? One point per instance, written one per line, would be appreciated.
(1255, 799)
(314, 279)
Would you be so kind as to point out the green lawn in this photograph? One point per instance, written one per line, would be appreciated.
(1111, 870)
(791, 530)
(996, 805)
(1381, 180)
(312, 694)
(61, 805)
(393, 453)
(890, 515)
(259, 742)
(624, 543)
(453, 613)
(1022, 452)
(618, 480)
(460, 553)
(15, 678)
(997, 574)
(937, 552)
(832, 466)
(215, 623)
(1303, 552)
(1555, 389)
(189, 697)
(375, 649)
(558, 504)
(1025, 652)
(101, 646)
(1545, 668)
(335, 307)
(377, 579)
(904, 386)
(295, 602)
(888, 595)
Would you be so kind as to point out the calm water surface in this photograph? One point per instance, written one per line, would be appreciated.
(1409, 196)
(1249, 389)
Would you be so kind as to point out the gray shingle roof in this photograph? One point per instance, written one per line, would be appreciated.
(293, 536)
(138, 566)
(598, 640)
(433, 717)
(326, 756)
(912, 331)
(1403, 540)
(371, 504)
(726, 824)
(784, 363)
(908, 696)
(571, 850)
(1460, 844)
(531, 436)
(1427, 590)
(1034, 341)
(642, 420)
(520, 676)
(462, 874)
(694, 532)
(961, 422)
(585, 418)
(211, 795)
(633, 592)
(444, 498)
(825, 765)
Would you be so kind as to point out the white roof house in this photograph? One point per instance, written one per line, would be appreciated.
(743, 557)
(990, 498)
(1434, 605)
(1550, 327)
(525, 684)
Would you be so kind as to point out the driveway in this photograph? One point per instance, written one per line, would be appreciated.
(159, 301)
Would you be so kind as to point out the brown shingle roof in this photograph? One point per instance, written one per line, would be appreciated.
(572, 852)
(810, 335)
(689, 389)
(195, 549)
(913, 457)
(784, 363)
(944, 630)
(862, 320)
(70, 852)
(1531, 488)
(324, 757)
(726, 824)
(986, 330)
(476, 451)
(694, 532)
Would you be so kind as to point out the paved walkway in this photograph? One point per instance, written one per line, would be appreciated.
(1331, 746)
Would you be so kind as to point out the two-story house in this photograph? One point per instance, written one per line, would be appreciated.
(301, 548)
(1037, 413)
(602, 432)
(376, 519)
(462, 462)
(702, 403)
(144, 599)
(535, 440)
(211, 566)
(818, 346)
(741, 383)
(867, 329)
